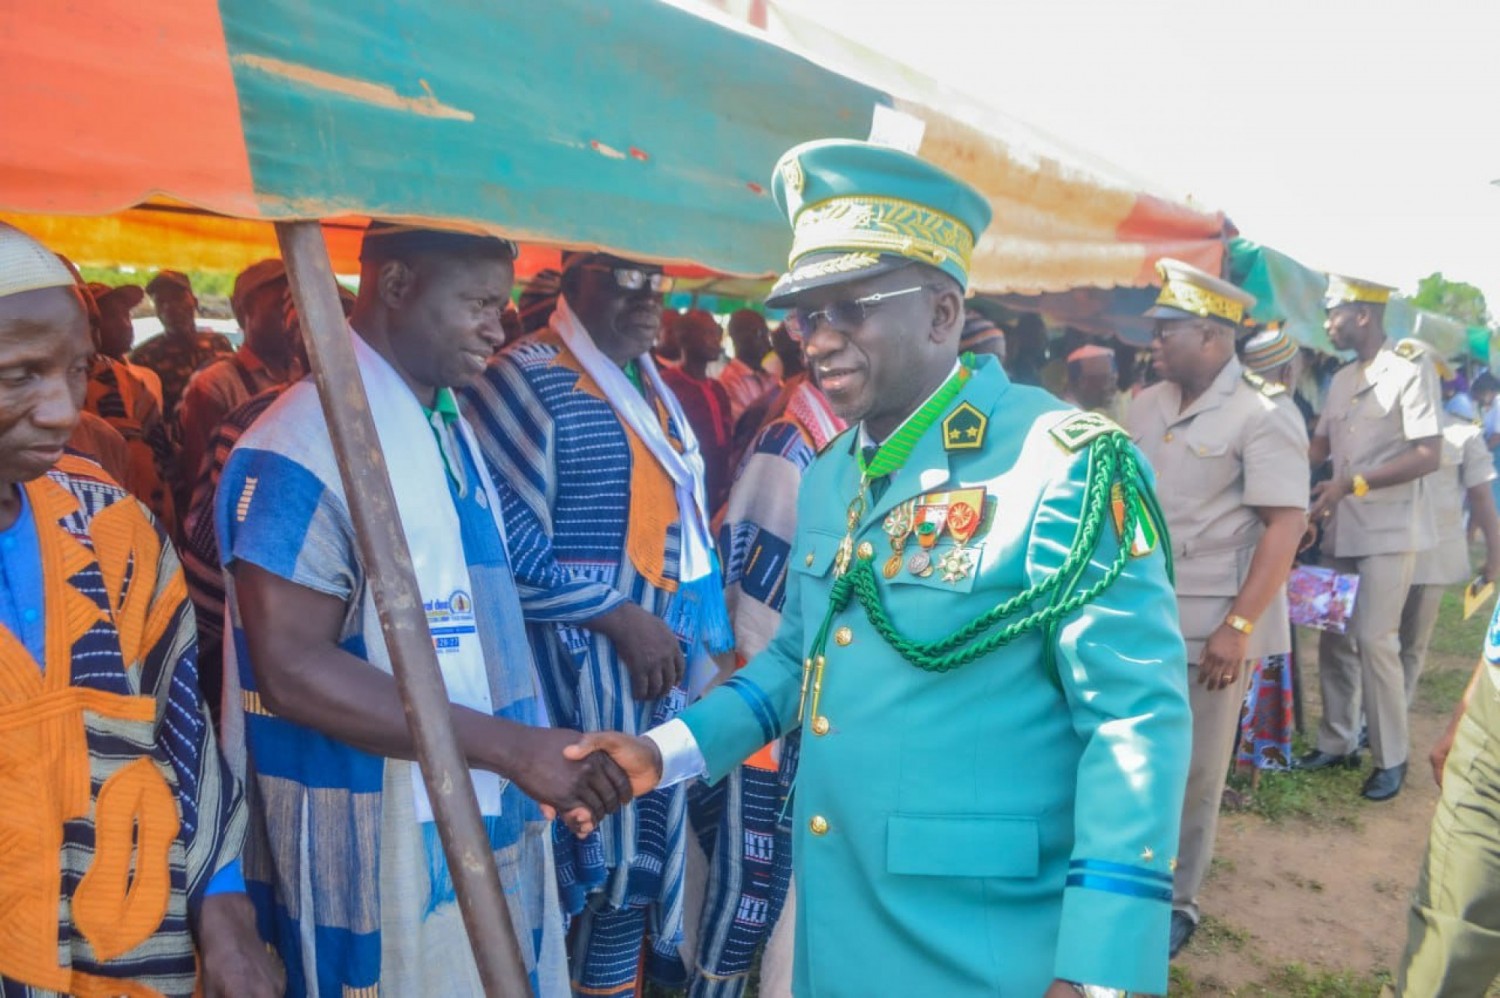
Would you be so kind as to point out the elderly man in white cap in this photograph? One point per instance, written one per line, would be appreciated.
(1230, 454)
(108, 770)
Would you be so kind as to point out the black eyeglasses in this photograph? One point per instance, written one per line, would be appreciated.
(634, 278)
(843, 315)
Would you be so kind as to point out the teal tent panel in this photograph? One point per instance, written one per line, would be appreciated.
(1284, 290)
(639, 127)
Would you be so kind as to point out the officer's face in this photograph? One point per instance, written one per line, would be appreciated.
(1177, 347)
(1343, 324)
(881, 367)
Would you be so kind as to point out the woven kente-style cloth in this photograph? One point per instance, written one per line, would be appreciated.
(375, 911)
(549, 434)
(200, 547)
(742, 821)
(108, 769)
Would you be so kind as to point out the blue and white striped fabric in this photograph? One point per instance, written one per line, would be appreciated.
(349, 880)
(565, 458)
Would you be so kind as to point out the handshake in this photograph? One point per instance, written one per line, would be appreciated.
(583, 777)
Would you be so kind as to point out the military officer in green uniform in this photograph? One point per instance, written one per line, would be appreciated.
(979, 641)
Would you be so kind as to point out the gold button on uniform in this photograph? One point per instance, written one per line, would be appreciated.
(1168, 437)
(843, 636)
(818, 825)
(866, 550)
(808, 560)
(820, 725)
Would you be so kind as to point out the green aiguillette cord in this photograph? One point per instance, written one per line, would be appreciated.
(890, 456)
(892, 453)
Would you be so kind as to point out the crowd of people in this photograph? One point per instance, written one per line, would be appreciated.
(709, 620)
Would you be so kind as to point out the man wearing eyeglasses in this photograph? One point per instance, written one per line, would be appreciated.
(578, 423)
(978, 641)
(1230, 453)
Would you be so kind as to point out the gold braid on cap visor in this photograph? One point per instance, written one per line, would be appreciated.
(882, 225)
(1195, 300)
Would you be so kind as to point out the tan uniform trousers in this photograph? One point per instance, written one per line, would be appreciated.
(1418, 621)
(1216, 716)
(1362, 668)
(1453, 941)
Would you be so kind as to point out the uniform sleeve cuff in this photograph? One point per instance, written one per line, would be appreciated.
(681, 759)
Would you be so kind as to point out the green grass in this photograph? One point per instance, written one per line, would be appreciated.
(1455, 637)
(1327, 797)
(1312, 982)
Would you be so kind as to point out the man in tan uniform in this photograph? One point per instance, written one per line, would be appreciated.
(1465, 471)
(1230, 454)
(1380, 429)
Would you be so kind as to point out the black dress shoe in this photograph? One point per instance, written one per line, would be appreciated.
(1183, 928)
(1384, 784)
(1318, 759)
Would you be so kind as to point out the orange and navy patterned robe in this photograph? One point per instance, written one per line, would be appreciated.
(115, 807)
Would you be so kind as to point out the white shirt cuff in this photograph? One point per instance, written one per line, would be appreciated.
(680, 757)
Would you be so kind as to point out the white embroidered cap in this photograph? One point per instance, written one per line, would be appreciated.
(27, 265)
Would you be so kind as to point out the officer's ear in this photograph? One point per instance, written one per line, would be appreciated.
(947, 310)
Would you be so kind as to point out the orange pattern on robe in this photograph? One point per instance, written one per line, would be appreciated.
(47, 770)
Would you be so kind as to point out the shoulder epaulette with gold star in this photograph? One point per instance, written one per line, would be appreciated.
(1270, 389)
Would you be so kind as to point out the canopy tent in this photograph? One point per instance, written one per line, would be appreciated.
(650, 132)
(1292, 292)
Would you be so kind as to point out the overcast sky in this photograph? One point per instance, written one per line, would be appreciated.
(1356, 136)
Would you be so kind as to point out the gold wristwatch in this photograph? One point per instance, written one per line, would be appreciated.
(1240, 623)
(1359, 486)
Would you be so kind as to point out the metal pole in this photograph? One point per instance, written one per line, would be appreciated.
(388, 571)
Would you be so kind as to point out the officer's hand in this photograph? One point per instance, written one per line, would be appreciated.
(1326, 495)
(1439, 755)
(1309, 537)
(1223, 658)
(648, 647)
(233, 958)
(582, 788)
(638, 757)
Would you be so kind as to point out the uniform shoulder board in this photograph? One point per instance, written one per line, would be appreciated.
(1270, 389)
(1408, 351)
(1076, 431)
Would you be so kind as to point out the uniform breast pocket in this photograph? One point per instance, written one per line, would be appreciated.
(812, 562)
(926, 845)
(1211, 467)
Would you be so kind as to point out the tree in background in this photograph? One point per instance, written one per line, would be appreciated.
(1454, 299)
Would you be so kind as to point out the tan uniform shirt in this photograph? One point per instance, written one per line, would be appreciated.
(1466, 462)
(1373, 413)
(1238, 446)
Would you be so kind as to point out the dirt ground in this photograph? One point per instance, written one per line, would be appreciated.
(1310, 885)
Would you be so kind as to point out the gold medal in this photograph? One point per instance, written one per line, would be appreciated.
(898, 524)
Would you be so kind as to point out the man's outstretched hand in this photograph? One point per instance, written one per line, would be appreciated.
(582, 788)
(638, 757)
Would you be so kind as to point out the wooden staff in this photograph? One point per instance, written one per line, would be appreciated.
(403, 621)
